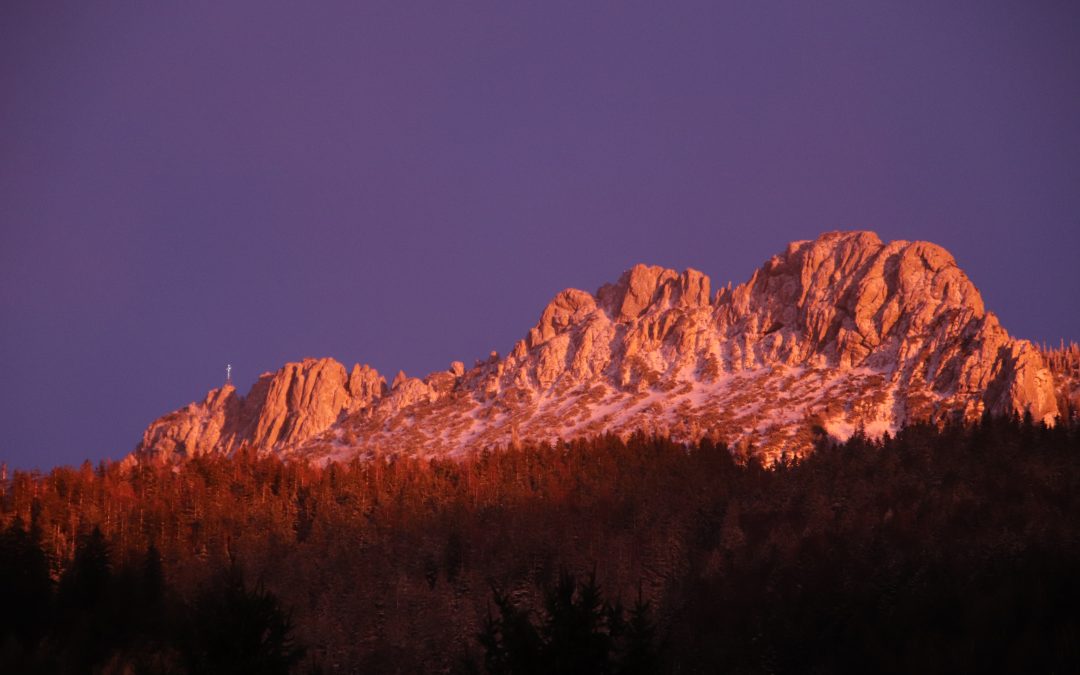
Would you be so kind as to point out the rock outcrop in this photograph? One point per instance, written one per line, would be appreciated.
(831, 335)
(280, 412)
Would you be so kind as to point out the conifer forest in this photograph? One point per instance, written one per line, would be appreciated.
(948, 548)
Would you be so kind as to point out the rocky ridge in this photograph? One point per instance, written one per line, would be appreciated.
(834, 334)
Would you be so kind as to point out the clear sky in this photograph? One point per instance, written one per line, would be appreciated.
(185, 185)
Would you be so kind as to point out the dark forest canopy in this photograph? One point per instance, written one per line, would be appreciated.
(939, 549)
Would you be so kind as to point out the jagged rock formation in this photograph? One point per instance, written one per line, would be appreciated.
(832, 334)
(281, 410)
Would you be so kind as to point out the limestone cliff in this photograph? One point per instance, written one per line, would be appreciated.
(828, 336)
(281, 411)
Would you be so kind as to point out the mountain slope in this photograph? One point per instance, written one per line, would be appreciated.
(832, 334)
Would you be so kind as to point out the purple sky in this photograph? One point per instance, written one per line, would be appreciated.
(256, 182)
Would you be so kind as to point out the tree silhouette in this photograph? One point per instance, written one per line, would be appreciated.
(89, 624)
(576, 630)
(639, 654)
(236, 629)
(578, 633)
(25, 588)
(511, 642)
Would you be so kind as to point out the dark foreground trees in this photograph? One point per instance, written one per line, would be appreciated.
(236, 629)
(576, 631)
(940, 549)
(98, 618)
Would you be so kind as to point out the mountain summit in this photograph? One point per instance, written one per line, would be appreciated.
(835, 334)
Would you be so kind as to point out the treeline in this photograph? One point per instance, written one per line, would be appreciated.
(939, 549)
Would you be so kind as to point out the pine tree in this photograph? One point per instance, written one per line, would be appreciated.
(639, 654)
(88, 627)
(25, 587)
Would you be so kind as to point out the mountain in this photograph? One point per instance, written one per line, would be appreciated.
(835, 334)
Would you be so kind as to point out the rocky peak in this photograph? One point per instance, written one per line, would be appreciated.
(568, 307)
(303, 399)
(645, 287)
(281, 410)
(365, 386)
(846, 294)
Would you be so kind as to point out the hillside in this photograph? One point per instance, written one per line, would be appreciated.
(937, 550)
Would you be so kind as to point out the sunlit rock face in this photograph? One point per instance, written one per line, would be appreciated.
(282, 410)
(829, 336)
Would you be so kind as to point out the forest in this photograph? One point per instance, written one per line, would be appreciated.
(940, 549)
